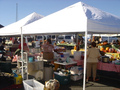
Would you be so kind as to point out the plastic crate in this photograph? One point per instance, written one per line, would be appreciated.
(61, 78)
(32, 84)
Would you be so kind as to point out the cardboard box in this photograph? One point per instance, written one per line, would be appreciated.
(48, 55)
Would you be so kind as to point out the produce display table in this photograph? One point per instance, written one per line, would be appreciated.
(72, 51)
(114, 55)
(79, 62)
(66, 65)
(101, 66)
(67, 46)
(108, 67)
(64, 44)
(62, 49)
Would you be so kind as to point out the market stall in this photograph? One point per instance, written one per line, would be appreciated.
(77, 18)
(85, 22)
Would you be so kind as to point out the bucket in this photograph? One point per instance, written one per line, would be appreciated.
(18, 80)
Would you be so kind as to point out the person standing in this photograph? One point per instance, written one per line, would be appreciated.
(92, 60)
(25, 46)
(48, 47)
(77, 54)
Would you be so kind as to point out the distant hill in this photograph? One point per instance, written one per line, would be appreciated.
(1, 26)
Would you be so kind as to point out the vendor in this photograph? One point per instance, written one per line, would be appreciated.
(48, 47)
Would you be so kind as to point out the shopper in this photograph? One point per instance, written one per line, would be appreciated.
(25, 47)
(92, 60)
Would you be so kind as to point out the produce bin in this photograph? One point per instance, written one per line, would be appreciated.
(32, 84)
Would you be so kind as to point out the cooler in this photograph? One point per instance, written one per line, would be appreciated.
(62, 79)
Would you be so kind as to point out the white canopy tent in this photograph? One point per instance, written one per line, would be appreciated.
(76, 18)
(73, 19)
(14, 28)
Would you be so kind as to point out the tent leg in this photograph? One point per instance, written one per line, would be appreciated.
(85, 57)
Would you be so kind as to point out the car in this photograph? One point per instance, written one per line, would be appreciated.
(66, 38)
(109, 39)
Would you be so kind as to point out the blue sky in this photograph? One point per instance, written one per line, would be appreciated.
(46, 7)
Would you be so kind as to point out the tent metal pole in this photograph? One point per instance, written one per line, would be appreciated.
(22, 51)
(43, 39)
(76, 39)
(108, 39)
(85, 58)
(91, 37)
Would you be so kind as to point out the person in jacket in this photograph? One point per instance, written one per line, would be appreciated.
(92, 60)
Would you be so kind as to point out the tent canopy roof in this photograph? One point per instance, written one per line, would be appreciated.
(14, 28)
(78, 17)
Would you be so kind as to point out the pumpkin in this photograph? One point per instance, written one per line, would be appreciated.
(100, 44)
(101, 49)
(75, 47)
(63, 41)
(104, 51)
(107, 49)
(105, 43)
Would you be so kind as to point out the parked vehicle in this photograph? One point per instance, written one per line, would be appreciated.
(66, 38)
(109, 39)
